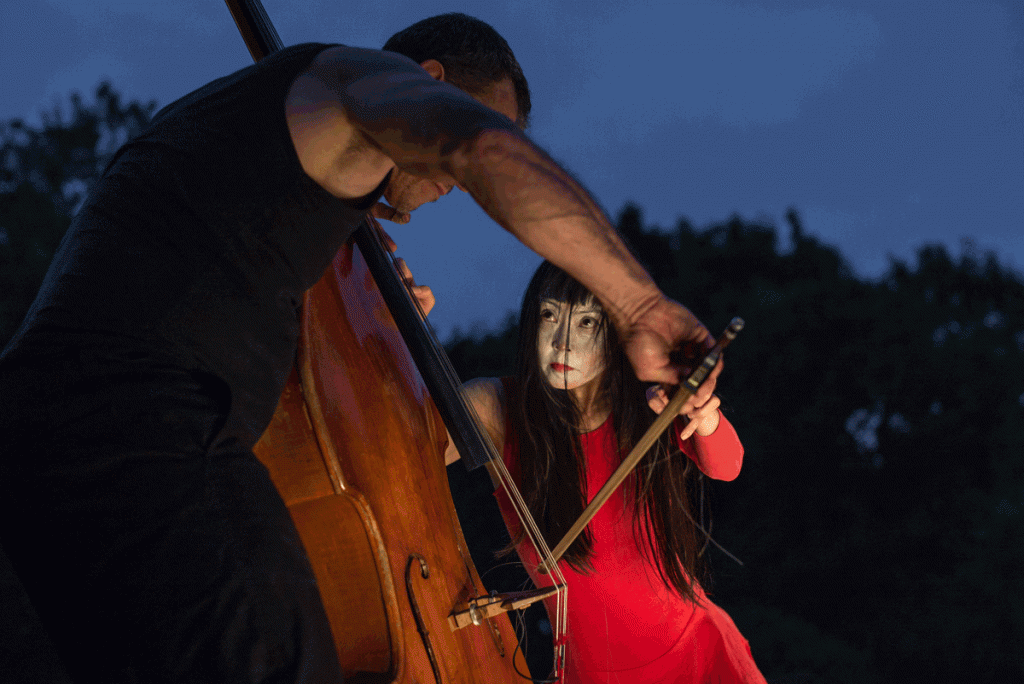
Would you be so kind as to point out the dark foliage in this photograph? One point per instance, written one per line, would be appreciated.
(879, 511)
(45, 175)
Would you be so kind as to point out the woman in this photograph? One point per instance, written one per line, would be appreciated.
(563, 424)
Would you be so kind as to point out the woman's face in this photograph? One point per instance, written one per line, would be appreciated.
(570, 348)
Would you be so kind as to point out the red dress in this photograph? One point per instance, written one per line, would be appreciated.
(625, 625)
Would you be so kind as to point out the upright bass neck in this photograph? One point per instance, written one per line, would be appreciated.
(366, 487)
(254, 25)
(433, 365)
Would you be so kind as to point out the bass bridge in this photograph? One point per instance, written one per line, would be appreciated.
(476, 610)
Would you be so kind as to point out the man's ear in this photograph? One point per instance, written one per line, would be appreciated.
(434, 68)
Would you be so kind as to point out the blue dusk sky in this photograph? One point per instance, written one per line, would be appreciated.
(887, 124)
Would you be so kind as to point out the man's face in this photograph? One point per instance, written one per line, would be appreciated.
(406, 192)
(570, 348)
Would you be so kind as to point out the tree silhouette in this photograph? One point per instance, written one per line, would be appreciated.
(879, 512)
(45, 175)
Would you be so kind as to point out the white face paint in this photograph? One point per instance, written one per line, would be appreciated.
(570, 348)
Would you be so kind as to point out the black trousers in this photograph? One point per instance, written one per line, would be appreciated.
(149, 554)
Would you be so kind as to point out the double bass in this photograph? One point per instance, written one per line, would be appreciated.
(356, 450)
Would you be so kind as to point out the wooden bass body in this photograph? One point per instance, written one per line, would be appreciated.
(356, 450)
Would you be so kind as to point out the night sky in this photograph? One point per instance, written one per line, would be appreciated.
(886, 124)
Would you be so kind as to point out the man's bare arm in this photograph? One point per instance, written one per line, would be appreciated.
(380, 110)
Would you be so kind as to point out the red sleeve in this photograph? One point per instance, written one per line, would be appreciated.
(719, 455)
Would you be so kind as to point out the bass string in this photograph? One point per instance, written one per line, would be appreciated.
(265, 40)
(540, 545)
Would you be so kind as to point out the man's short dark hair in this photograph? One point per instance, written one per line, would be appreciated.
(473, 54)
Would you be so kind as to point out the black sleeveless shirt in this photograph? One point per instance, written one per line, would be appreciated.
(196, 245)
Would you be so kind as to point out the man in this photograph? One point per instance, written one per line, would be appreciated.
(151, 540)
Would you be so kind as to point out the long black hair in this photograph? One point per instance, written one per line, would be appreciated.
(545, 423)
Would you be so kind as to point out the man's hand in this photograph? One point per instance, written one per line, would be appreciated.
(665, 343)
(423, 295)
(388, 213)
